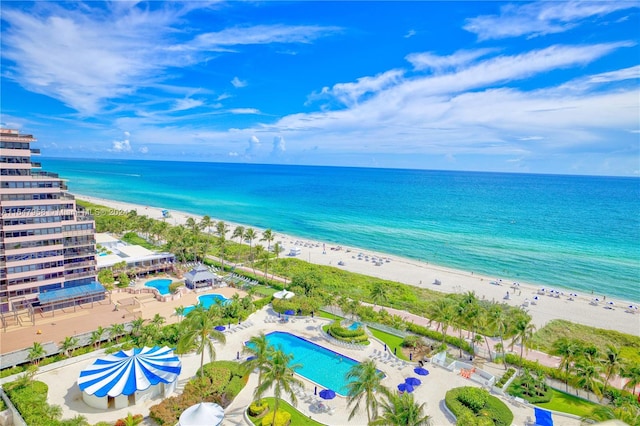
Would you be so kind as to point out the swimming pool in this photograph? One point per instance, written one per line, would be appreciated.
(162, 285)
(320, 365)
(207, 300)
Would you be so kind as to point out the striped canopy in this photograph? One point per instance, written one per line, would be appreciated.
(126, 372)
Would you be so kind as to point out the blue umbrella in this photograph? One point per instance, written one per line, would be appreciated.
(327, 394)
(421, 371)
(405, 387)
(251, 358)
(290, 312)
(412, 381)
(220, 327)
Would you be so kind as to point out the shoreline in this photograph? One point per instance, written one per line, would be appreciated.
(423, 274)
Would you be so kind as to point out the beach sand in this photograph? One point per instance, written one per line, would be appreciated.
(422, 274)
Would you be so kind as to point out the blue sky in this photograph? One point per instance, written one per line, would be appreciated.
(540, 87)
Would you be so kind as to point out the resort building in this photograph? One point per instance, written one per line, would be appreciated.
(47, 245)
(139, 260)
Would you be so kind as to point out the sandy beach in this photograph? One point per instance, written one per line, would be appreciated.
(578, 309)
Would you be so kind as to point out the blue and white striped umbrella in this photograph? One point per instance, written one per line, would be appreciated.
(126, 372)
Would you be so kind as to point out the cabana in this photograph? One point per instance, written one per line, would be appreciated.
(129, 377)
(199, 277)
(283, 294)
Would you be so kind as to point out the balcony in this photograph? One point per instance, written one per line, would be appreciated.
(35, 165)
(44, 175)
(35, 151)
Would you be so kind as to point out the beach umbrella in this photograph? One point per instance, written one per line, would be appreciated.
(220, 328)
(251, 358)
(405, 387)
(284, 294)
(413, 381)
(205, 413)
(611, 303)
(289, 312)
(421, 371)
(327, 394)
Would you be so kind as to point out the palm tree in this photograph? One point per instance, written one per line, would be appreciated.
(36, 352)
(268, 236)
(179, 312)
(588, 376)
(402, 410)
(632, 373)
(221, 231)
(194, 227)
(206, 223)
(628, 412)
(364, 380)
(568, 350)
(280, 375)
(250, 235)
(68, 345)
(115, 331)
(96, 337)
(379, 293)
(259, 254)
(611, 363)
(136, 327)
(499, 322)
(261, 352)
(238, 233)
(442, 312)
(199, 330)
(524, 330)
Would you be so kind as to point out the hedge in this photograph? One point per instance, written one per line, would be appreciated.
(493, 408)
(282, 418)
(437, 336)
(505, 377)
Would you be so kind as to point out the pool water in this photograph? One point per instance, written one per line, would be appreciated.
(320, 365)
(162, 285)
(208, 300)
(355, 326)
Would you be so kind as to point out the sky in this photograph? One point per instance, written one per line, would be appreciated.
(531, 87)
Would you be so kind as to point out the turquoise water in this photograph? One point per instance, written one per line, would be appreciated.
(354, 326)
(206, 301)
(162, 285)
(320, 365)
(579, 233)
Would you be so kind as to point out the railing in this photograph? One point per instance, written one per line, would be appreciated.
(44, 175)
(35, 151)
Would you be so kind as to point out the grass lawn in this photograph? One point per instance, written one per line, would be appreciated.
(566, 403)
(325, 314)
(264, 291)
(391, 341)
(297, 418)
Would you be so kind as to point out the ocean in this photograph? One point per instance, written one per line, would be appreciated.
(579, 233)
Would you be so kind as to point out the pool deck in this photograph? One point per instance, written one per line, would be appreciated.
(63, 390)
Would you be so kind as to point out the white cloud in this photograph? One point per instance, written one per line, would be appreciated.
(186, 104)
(429, 60)
(88, 56)
(351, 93)
(254, 145)
(237, 83)
(244, 111)
(233, 154)
(410, 34)
(121, 146)
(540, 18)
(260, 34)
(144, 150)
(279, 146)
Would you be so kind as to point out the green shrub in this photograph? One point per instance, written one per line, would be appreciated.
(473, 398)
(282, 418)
(261, 303)
(505, 377)
(257, 408)
(494, 412)
(410, 341)
(235, 385)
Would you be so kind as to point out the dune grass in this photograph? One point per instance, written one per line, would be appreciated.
(297, 418)
(566, 403)
(629, 345)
